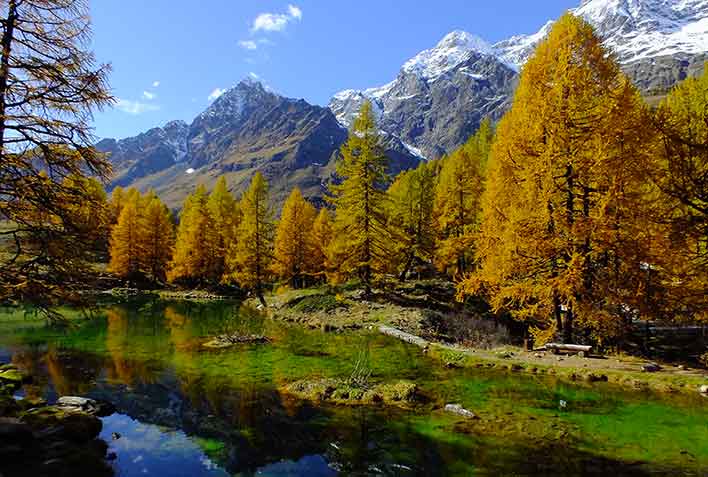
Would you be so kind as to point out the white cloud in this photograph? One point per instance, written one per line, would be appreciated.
(148, 95)
(276, 21)
(295, 12)
(215, 94)
(135, 107)
(155, 84)
(248, 44)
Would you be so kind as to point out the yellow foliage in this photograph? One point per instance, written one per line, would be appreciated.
(682, 148)
(564, 226)
(141, 240)
(361, 244)
(225, 216)
(411, 218)
(457, 201)
(293, 258)
(126, 244)
(248, 260)
(157, 240)
(320, 239)
(196, 245)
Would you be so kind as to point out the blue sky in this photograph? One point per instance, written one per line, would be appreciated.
(169, 56)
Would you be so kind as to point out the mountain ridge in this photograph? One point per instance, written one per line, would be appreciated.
(433, 105)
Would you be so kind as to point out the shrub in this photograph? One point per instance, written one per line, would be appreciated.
(476, 332)
(315, 303)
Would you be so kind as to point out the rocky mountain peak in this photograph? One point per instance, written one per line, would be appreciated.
(634, 30)
(455, 48)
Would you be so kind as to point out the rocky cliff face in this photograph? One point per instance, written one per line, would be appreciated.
(147, 153)
(439, 97)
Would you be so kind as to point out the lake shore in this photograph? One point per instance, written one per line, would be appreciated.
(317, 308)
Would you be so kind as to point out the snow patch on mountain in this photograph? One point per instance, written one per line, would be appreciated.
(517, 49)
(453, 49)
(414, 150)
(634, 30)
(429, 65)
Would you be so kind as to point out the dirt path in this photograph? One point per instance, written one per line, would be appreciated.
(624, 370)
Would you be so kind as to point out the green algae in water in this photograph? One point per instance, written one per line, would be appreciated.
(148, 358)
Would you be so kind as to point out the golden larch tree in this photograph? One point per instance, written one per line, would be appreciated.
(682, 176)
(224, 213)
(321, 237)
(157, 239)
(249, 259)
(411, 216)
(126, 247)
(457, 201)
(361, 238)
(50, 85)
(293, 260)
(195, 243)
(115, 204)
(564, 227)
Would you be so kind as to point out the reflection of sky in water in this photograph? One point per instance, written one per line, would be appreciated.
(310, 465)
(146, 449)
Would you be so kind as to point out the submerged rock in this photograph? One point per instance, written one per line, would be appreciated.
(71, 425)
(226, 341)
(460, 411)
(12, 376)
(594, 378)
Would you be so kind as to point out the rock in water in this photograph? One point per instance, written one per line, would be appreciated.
(72, 425)
(460, 411)
(12, 376)
(87, 405)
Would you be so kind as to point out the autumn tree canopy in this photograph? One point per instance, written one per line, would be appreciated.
(681, 174)
(50, 85)
(564, 225)
(457, 201)
(293, 259)
(360, 244)
(412, 217)
(249, 259)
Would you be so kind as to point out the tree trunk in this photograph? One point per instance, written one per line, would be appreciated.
(568, 327)
(406, 268)
(5, 66)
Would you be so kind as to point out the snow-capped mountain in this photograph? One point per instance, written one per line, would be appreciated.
(453, 49)
(439, 96)
(432, 106)
(658, 42)
(248, 128)
(517, 49)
